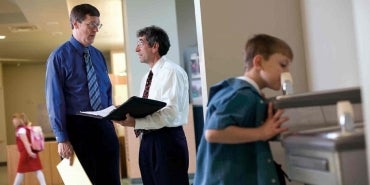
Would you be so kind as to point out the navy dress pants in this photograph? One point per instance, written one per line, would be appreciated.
(164, 157)
(96, 145)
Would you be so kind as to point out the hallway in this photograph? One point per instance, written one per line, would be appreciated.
(4, 178)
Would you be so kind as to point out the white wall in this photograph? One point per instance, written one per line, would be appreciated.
(330, 45)
(361, 16)
(226, 26)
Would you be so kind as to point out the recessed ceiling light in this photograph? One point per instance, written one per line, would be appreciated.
(56, 33)
(52, 23)
(23, 28)
(2, 36)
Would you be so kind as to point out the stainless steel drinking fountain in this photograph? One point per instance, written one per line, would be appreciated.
(325, 144)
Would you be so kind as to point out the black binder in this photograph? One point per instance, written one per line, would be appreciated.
(137, 107)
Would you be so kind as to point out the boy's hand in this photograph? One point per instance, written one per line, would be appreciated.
(271, 127)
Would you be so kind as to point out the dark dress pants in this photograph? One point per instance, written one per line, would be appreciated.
(164, 157)
(96, 145)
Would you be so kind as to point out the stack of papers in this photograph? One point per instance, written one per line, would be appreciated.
(73, 175)
(135, 106)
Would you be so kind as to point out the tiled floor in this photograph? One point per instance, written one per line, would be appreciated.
(4, 178)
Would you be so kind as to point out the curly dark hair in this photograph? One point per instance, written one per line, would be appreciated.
(155, 34)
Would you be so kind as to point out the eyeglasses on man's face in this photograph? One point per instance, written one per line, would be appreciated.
(141, 42)
(93, 25)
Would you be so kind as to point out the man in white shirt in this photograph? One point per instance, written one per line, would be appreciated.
(163, 155)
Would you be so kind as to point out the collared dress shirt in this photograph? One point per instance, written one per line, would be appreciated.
(169, 84)
(66, 86)
(235, 101)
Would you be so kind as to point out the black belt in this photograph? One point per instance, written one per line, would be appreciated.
(143, 131)
(147, 131)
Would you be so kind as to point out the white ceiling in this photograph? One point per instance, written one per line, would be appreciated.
(50, 27)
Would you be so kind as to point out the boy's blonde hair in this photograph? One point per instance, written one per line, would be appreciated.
(265, 45)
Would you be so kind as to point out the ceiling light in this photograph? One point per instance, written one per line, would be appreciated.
(26, 28)
(56, 33)
(2, 36)
(52, 23)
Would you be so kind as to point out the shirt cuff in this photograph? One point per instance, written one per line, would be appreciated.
(61, 137)
(139, 124)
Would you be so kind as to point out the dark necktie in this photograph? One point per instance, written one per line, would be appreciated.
(94, 92)
(147, 84)
(145, 95)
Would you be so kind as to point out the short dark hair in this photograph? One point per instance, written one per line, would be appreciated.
(79, 12)
(155, 34)
(265, 45)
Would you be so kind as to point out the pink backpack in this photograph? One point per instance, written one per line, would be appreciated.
(37, 138)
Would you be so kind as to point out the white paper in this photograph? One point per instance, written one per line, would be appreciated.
(101, 113)
(73, 175)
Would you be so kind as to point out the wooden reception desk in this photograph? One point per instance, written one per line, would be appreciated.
(49, 159)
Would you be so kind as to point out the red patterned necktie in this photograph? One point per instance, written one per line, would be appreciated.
(145, 95)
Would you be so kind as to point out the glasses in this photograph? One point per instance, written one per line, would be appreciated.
(140, 43)
(92, 25)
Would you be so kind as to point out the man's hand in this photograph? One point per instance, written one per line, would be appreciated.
(65, 150)
(128, 122)
(271, 127)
